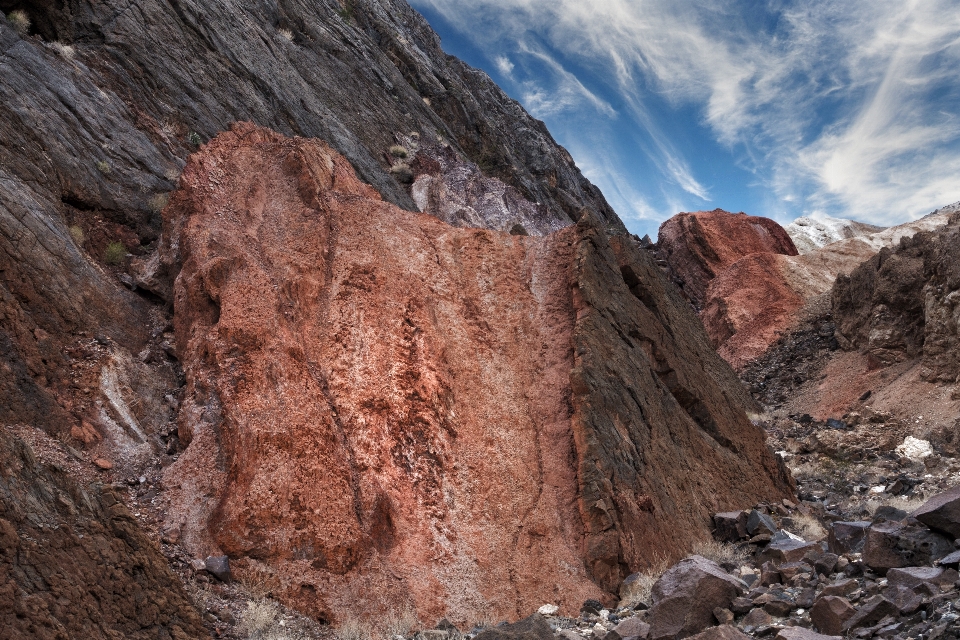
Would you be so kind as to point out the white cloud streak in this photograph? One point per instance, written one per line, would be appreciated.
(852, 108)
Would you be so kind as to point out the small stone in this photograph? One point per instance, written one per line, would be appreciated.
(591, 606)
(756, 618)
(632, 628)
(219, 567)
(826, 563)
(723, 616)
(198, 565)
(799, 633)
(847, 537)
(840, 588)
(103, 464)
(548, 610)
(730, 526)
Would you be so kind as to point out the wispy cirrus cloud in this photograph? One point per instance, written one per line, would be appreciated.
(852, 109)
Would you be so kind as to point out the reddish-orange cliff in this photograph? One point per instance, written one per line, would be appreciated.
(700, 246)
(384, 410)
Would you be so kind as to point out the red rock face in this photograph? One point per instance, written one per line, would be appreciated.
(700, 246)
(387, 411)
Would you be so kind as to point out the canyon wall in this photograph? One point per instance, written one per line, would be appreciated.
(384, 410)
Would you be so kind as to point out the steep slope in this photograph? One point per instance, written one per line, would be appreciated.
(498, 421)
(101, 105)
(763, 295)
(700, 246)
(73, 563)
(809, 234)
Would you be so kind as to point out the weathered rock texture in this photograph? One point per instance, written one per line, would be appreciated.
(92, 137)
(903, 303)
(764, 292)
(384, 409)
(74, 564)
(700, 246)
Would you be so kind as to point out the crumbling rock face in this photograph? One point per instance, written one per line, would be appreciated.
(903, 303)
(74, 564)
(700, 246)
(458, 193)
(384, 410)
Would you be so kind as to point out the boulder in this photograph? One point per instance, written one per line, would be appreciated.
(830, 613)
(799, 633)
(730, 526)
(840, 588)
(789, 551)
(632, 628)
(892, 545)
(685, 597)
(219, 567)
(826, 563)
(847, 537)
(534, 627)
(942, 512)
(871, 611)
(906, 599)
(916, 578)
(760, 523)
(756, 618)
(722, 632)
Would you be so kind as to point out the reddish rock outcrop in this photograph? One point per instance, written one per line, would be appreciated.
(384, 410)
(700, 246)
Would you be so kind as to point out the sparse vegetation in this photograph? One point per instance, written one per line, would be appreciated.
(402, 172)
(286, 34)
(20, 21)
(262, 620)
(353, 629)
(720, 552)
(104, 167)
(65, 51)
(807, 527)
(77, 234)
(194, 139)
(398, 151)
(639, 588)
(157, 203)
(400, 623)
(115, 253)
(346, 11)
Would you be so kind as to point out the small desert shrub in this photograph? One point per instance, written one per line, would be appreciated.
(115, 253)
(353, 629)
(194, 139)
(639, 587)
(720, 552)
(65, 51)
(398, 151)
(77, 234)
(400, 623)
(20, 21)
(103, 167)
(402, 173)
(158, 202)
(286, 34)
(260, 622)
(808, 528)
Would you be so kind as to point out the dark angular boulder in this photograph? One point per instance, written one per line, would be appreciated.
(685, 596)
(730, 526)
(847, 537)
(533, 628)
(942, 513)
(892, 545)
(830, 613)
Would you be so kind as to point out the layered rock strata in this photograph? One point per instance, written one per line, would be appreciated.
(74, 563)
(384, 410)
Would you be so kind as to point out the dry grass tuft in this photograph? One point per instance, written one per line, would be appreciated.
(353, 629)
(286, 34)
(638, 589)
(65, 51)
(77, 234)
(720, 552)
(115, 253)
(158, 202)
(398, 151)
(262, 621)
(909, 504)
(400, 623)
(20, 22)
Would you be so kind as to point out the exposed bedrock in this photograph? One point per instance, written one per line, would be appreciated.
(700, 246)
(904, 303)
(74, 562)
(383, 409)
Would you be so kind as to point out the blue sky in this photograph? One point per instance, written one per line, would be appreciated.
(776, 108)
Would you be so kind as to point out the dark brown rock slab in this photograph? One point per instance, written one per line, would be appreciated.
(892, 545)
(74, 563)
(721, 632)
(847, 537)
(942, 512)
(534, 627)
(871, 611)
(830, 613)
(685, 597)
(799, 633)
